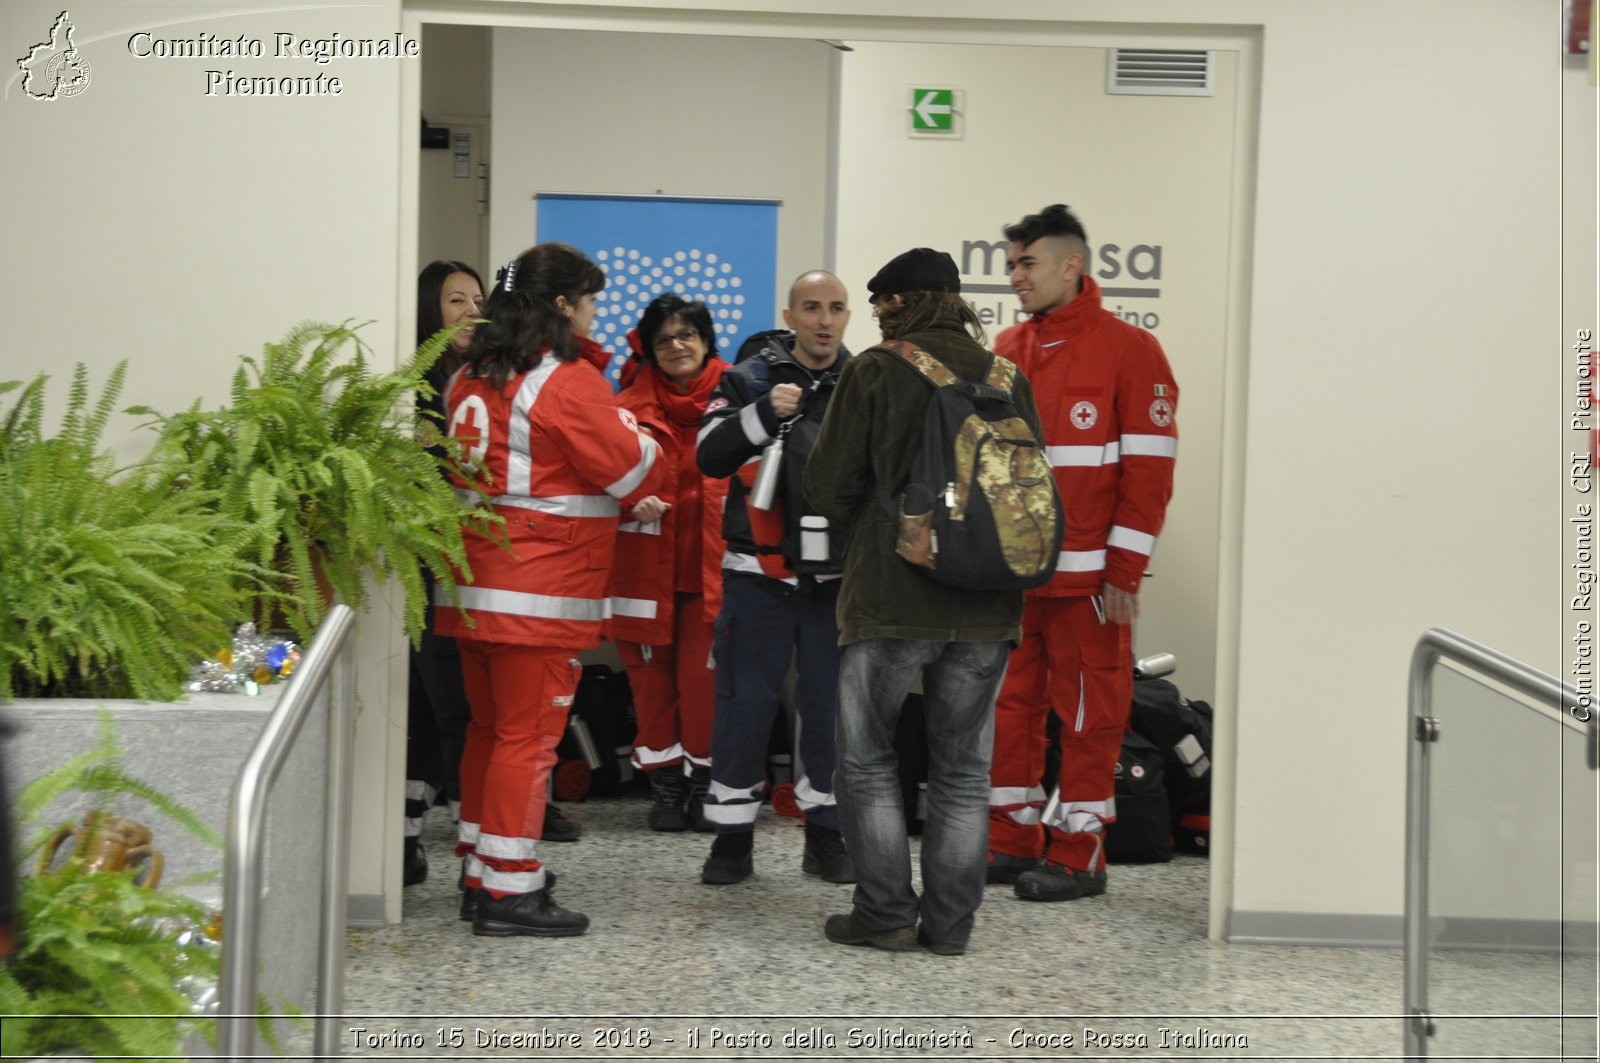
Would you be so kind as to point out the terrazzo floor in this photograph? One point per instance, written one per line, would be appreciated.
(671, 968)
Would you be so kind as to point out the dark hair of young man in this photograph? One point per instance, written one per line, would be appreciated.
(1054, 220)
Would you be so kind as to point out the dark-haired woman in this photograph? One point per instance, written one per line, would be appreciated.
(661, 619)
(448, 293)
(560, 461)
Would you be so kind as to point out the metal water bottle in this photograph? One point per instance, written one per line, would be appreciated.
(765, 490)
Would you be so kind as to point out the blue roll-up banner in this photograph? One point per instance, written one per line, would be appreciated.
(718, 251)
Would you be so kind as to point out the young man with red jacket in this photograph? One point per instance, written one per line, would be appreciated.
(1107, 402)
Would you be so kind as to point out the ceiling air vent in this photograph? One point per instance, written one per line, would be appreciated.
(1158, 72)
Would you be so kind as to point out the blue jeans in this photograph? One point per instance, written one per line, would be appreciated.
(959, 684)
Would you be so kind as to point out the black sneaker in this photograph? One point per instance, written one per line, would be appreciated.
(844, 930)
(558, 828)
(1057, 882)
(730, 860)
(526, 915)
(1004, 868)
(826, 856)
(669, 789)
(414, 864)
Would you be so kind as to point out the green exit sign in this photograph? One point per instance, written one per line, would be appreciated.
(935, 112)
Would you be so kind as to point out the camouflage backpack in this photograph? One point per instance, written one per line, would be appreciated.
(980, 509)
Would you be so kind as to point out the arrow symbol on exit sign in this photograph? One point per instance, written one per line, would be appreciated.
(933, 108)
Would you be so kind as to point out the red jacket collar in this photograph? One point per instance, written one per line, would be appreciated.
(593, 353)
(1083, 308)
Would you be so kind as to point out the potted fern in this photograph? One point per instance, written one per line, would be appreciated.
(329, 465)
(107, 966)
(116, 580)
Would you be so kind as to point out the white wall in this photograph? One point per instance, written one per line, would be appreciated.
(146, 221)
(628, 113)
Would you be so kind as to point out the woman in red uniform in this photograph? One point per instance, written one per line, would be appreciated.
(660, 617)
(560, 461)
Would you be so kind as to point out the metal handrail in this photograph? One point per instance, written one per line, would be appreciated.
(246, 838)
(1577, 714)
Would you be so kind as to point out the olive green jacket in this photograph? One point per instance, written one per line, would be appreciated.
(862, 457)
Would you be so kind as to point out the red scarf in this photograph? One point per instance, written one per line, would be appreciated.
(682, 409)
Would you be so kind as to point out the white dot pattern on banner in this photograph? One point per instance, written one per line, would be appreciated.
(634, 279)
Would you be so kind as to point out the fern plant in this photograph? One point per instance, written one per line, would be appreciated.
(329, 465)
(101, 967)
(115, 582)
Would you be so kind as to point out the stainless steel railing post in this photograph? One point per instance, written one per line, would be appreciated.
(1422, 731)
(246, 838)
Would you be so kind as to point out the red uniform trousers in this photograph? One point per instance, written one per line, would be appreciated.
(520, 698)
(674, 690)
(1071, 661)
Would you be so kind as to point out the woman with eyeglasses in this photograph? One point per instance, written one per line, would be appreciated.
(668, 559)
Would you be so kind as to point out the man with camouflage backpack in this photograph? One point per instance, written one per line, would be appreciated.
(897, 623)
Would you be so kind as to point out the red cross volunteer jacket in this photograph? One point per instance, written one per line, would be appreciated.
(1108, 405)
(560, 462)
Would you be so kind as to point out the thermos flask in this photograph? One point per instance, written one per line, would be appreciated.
(765, 490)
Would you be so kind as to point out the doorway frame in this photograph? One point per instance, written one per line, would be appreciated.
(1245, 40)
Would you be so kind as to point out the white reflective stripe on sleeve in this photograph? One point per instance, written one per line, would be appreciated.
(750, 421)
(1081, 561)
(466, 833)
(1149, 446)
(519, 464)
(636, 528)
(649, 451)
(560, 505)
(1073, 457)
(638, 608)
(1128, 539)
(1006, 796)
(809, 797)
(413, 826)
(419, 790)
(544, 606)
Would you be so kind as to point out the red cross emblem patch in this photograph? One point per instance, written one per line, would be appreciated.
(1083, 414)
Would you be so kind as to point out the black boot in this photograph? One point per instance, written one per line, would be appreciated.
(413, 864)
(730, 860)
(469, 897)
(669, 788)
(558, 828)
(699, 785)
(526, 914)
(825, 855)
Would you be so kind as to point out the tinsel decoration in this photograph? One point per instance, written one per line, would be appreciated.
(249, 664)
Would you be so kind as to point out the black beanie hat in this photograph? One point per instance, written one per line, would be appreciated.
(922, 269)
